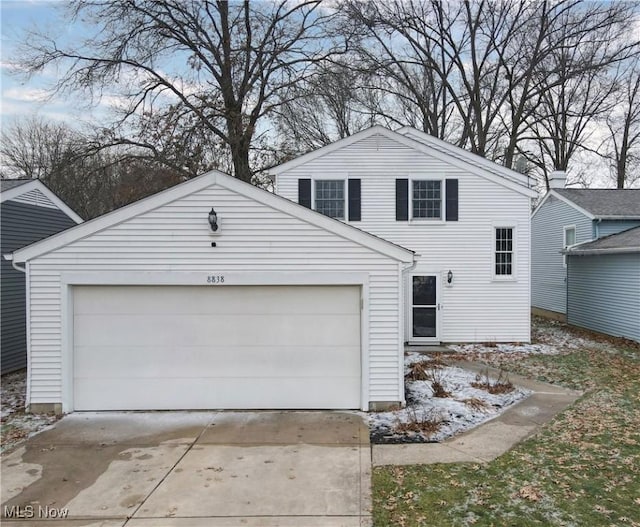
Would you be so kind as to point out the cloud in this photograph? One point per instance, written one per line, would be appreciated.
(26, 94)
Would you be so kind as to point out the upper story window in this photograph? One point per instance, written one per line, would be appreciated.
(503, 261)
(427, 199)
(569, 240)
(330, 197)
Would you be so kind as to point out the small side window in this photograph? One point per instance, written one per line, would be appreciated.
(503, 261)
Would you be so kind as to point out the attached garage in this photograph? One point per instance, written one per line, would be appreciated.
(149, 308)
(195, 347)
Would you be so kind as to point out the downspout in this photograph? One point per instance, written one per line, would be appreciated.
(403, 273)
(597, 229)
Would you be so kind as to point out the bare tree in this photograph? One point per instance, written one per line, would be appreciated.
(622, 146)
(331, 106)
(91, 181)
(227, 65)
(577, 79)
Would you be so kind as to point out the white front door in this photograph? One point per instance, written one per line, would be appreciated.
(425, 308)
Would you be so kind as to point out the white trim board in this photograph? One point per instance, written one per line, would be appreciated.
(232, 278)
(214, 177)
(36, 184)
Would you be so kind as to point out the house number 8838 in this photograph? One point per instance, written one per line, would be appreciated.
(215, 279)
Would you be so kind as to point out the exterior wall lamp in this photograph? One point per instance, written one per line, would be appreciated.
(213, 220)
(449, 277)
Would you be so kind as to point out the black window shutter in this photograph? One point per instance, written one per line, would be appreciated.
(451, 192)
(402, 199)
(304, 192)
(354, 200)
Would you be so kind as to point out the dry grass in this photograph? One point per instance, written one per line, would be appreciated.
(418, 371)
(425, 423)
(476, 404)
(501, 385)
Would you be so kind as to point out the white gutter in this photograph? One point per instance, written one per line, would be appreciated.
(14, 264)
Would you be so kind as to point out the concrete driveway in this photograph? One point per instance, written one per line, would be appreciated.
(166, 469)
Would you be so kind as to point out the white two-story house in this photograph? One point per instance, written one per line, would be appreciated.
(466, 218)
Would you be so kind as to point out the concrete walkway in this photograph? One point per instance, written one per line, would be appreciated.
(193, 469)
(491, 439)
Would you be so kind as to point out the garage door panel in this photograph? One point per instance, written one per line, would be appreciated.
(198, 347)
(100, 362)
(308, 392)
(215, 300)
(193, 330)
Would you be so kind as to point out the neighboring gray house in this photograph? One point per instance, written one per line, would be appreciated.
(29, 212)
(603, 284)
(567, 217)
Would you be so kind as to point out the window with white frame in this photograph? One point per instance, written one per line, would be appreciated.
(427, 199)
(330, 197)
(569, 240)
(503, 261)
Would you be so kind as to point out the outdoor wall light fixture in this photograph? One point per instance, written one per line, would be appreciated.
(213, 220)
(449, 276)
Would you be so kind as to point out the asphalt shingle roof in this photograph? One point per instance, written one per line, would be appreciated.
(6, 184)
(625, 241)
(618, 203)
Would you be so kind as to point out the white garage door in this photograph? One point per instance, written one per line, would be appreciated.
(198, 347)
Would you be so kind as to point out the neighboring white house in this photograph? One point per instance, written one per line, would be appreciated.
(567, 217)
(466, 218)
(148, 307)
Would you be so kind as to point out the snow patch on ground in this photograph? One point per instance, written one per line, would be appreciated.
(455, 415)
(16, 425)
(537, 349)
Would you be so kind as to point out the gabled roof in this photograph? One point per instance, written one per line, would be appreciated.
(605, 203)
(465, 155)
(622, 242)
(432, 147)
(199, 183)
(14, 188)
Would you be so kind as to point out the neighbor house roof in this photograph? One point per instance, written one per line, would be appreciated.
(6, 184)
(34, 192)
(199, 183)
(605, 203)
(430, 146)
(623, 242)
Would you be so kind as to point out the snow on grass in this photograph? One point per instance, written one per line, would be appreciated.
(15, 424)
(453, 413)
(539, 349)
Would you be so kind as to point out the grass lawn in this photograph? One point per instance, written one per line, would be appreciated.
(582, 469)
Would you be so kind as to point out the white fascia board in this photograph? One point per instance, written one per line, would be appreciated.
(199, 183)
(565, 200)
(593, 252)
(36, 184)
(348, 232)
(332, 147)
(115, 217)
(469, 161)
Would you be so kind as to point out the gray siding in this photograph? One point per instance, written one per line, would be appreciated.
(604, 294)
(607, 227)
(548, 274)
(21, 224)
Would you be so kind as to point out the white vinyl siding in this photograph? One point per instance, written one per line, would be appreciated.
(475, 308)
(548, 273)
(175, 238)
(35, 197)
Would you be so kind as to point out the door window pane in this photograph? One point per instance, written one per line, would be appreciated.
(424, 290)
(424, 321)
